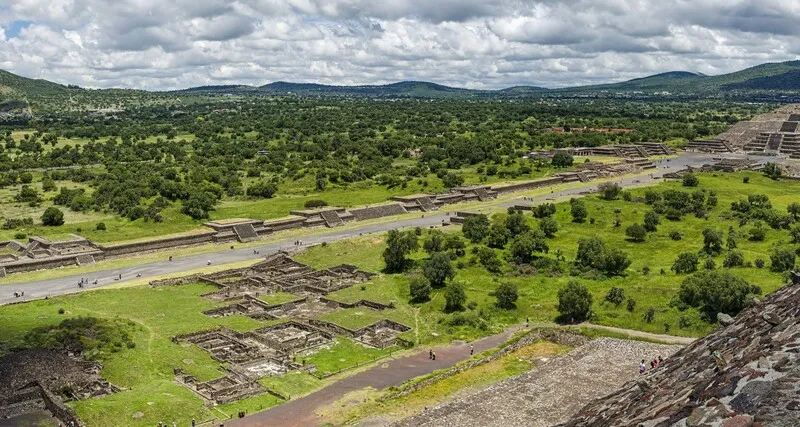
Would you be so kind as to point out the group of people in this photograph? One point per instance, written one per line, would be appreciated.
(298, 243)
(19, 294)
(84, 281)
(655, 363)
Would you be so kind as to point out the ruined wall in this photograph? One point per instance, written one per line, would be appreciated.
(152, 245)
(529, 185)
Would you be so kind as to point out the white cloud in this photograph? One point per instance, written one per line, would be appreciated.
(157, 44)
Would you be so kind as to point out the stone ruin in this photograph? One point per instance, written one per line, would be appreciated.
(15, 256)
(744, 374)
(639, 150)
(243, 230)
(272, 350)
(35, 384)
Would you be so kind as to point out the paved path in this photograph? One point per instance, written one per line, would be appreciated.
(69, 284)
(302, 411)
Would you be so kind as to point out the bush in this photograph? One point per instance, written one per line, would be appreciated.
(712, 241)
(454, 297)
(574, 302)
(685, 263)
(53, 216)
(562, 159)
(578, 211)
(746, 180)
(758, 233)
(101, 226)
(651, 221)
(506, 295)
(420, 289)
(399, 245)
(434, 242)
(12, 223)
(526, 244)
(734, 259)
(717, 291)
(649, 315)
(759, 263)
(475, 228)
(782, 259)
(497, 236)
(315, 203)
(20, 236)
(631, 305)
(675, 235)
(615, 296)
(548, 226)
(709, 264)
(489, 259)
(544, 210)
(60, 311)
(690, 180)
(609, 190)
(636, 232)
(262, 189)
(438, 269)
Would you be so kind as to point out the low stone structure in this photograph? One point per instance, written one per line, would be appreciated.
(743, 374)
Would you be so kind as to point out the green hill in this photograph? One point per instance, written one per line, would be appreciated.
(14, 85)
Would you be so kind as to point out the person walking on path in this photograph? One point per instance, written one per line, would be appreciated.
(471, 349)
(430, 354)
(433, 355)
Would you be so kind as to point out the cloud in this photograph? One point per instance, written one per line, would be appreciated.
(157, 44)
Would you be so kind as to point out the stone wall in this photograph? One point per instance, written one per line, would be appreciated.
(528, 185)
(152, 245)
(56, 406)
(373, 212)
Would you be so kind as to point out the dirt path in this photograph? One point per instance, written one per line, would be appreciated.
(302, 411)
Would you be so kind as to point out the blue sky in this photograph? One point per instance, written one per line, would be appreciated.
(13, 28)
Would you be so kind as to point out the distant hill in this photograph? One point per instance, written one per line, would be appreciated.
(773, 79)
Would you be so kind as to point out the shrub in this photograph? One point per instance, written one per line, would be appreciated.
(438, 269)
(733, 259)
(420, 289)
(20, 236)
(675, 235)
(526, 244)
(548, 226)
(489, 259)
(434, 242)
(454, 296)
(717, 291)
(615, 296)
(12, 223)
(782, 259)
(758, 232)
(506, 295)
(53, 216)
(631, 304)
(562, 159)
(690, 180)
(544, 210)
(709, 264)
(578, 211)
(609, 190)
(636, 232)
(759, 263)
(746, 180)
(712, 241)
(574, 302)
(262, 189)
(685, 263)
(651, 221)
(101, 226)
(646, 270)
(497, 236)
(399, 245)
(649, 315)
(315, 203)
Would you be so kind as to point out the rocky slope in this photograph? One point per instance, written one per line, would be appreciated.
(743, 374)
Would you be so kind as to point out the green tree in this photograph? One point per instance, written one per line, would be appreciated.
(772, 170)
(53, 216)
(574, 302)
(544, 210)
(48, 184)
(451, 180)
(26, 177)
(733, 258)
(636, 232)
(434, 242)
(609, 190)
(498, 236)
(615, 296)
(548, 226)
(716, 291)
(794, 210)
(614, 261)
(685, 263)
(454, 296)
(590, 251)
(489, 259)
(562, 159)
(526, 244)
(712, 241)
(794, 234)
(782, 259)
(516, 223)
(690, 180)
(730, 242)
(420, 289)
(454, 243)
(199, 204)
(438, 269)
(758, 232)
(399, 244)
(506, 295)
(651, 221)
(262, 189)
(578, 211)
(475, 228)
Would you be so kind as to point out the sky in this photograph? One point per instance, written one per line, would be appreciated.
(483, 44)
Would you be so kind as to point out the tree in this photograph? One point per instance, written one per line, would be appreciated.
(590, 251)
(434, 242)
(544, 210)
(101, 226)
(578, 211)
(730, 242)
(733, 258)
(498, 236)
(525, 244)
(548, 226)
(615, 296)
(398, 245)
(716, 291)
(454, 297)
(53, 216)
(794, 210)
(772, 170)
(451, 180)
(562, 159)
(420, 289)
(574, 302)
(636, 232)
(48, 184)
(609, 190)
(262, 189)
(506, 295)
(453, 242)
(758, 233)
(690, 180)
(475, 228)
(651, 221)
(685, 263)
(614, 261)
(794, 233)
(199, 204)
(516, 223)
(782, 259)
(438, 269)
(489, 259)
(712, 241)
(26, 177)
(28, 194)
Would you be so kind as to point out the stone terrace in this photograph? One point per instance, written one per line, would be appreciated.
(550, 393)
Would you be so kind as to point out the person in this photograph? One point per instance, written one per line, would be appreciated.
(95, 281)
(433, 355)
(170, 257)
(641, 367)
(471, 349)
(660, 360)
(120, 276)
(209, 262)
(430, 354)
(138, 274)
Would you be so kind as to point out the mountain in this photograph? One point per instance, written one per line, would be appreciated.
(12, 85)
(405, 89)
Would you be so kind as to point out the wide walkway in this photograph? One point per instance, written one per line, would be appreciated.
(69, 284)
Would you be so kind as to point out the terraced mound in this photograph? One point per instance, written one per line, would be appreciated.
(745, 374)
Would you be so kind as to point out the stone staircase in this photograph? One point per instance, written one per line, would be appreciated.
(426, 204)
(483, 195)
(245, 232)
(788, 127)
(774, 143)
(582, 177)
(332, 218)
(84, 259)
